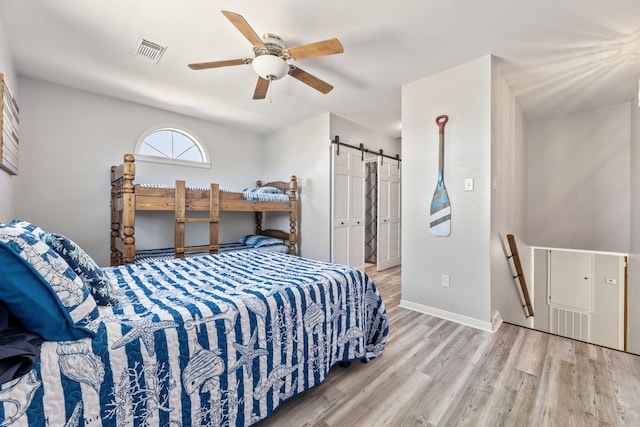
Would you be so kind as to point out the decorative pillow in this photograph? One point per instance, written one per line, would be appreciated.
(265, 189)
(26, 225)
(41, 290)
(85, 267)
(260, 241)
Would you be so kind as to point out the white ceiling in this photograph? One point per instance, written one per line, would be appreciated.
(557, 55)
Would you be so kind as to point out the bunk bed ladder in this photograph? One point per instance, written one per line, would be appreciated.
(181, 219)
(524, 292)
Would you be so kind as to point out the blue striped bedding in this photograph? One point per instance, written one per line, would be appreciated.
(147, 255)
(214, 340)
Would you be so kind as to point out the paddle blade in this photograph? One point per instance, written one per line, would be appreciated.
(440, 212)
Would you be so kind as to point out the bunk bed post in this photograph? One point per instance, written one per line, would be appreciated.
(180, 217)
(214, 218)
(128, 209)
(116, 257)
(259, 217)
(293, 214)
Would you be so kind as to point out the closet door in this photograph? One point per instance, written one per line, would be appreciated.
(347, 207)
(388, 213)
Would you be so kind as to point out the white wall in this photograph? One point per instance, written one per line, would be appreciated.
(464, 94)
(579, 180)
(508, 199)
(355, 134)
(8, 183)
(633, 295)
(303, 150)
(69, 140)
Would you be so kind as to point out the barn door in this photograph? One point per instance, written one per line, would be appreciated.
(388, 213)
(347, 207)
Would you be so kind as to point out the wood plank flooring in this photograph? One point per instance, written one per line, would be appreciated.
(437, 373)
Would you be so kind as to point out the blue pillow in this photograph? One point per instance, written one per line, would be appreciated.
(41, 290)
(85, 267)
(265, 189)
(261, 241)
(26, 225)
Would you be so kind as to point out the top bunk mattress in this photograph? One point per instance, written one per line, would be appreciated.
(260, 194)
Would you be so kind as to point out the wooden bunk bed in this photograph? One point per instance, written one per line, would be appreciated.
(127, 198)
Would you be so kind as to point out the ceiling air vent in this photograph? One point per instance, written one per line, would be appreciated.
(148, 51)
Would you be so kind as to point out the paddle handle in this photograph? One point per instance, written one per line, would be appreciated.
(441, 121)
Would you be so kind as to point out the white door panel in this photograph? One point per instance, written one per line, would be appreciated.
(571, 280)
(388, 214)
(347, 207)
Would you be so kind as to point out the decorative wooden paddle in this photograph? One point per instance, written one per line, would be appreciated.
(440, 207)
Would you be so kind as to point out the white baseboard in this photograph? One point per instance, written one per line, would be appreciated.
(454, 317)
(496, 321)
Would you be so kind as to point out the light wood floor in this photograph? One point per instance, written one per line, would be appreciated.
(437, 373)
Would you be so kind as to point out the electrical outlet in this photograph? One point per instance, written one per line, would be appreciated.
(445, 280)
(468, 184)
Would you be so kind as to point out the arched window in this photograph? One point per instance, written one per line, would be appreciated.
(171, 145)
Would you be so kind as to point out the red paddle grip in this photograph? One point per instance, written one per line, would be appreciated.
(441, 121)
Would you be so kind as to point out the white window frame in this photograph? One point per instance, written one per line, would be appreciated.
(206, 162)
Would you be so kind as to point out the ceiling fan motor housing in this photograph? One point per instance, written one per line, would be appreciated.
(270, 67)
(271, 63)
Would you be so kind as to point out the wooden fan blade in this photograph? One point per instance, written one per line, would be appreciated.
(310, 79)
(311, 50)
(218, 64)
(243, 26)
(261, 88)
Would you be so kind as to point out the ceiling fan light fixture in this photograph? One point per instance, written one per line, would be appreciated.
(270, 67)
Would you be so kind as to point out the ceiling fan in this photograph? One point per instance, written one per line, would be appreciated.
(271, 58)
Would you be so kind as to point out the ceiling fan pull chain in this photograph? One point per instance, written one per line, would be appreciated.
(270, 90)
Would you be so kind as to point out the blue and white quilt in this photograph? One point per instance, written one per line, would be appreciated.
(214, 340)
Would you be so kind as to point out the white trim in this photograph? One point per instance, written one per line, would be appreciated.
(496, 321)
(546, 248)
(622, 286)
(448, 315)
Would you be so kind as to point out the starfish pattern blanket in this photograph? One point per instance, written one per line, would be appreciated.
(214, 340)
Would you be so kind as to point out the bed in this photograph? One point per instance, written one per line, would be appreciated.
(129, 197)
(209, 340)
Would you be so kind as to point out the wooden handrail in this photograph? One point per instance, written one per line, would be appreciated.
(520, 274)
